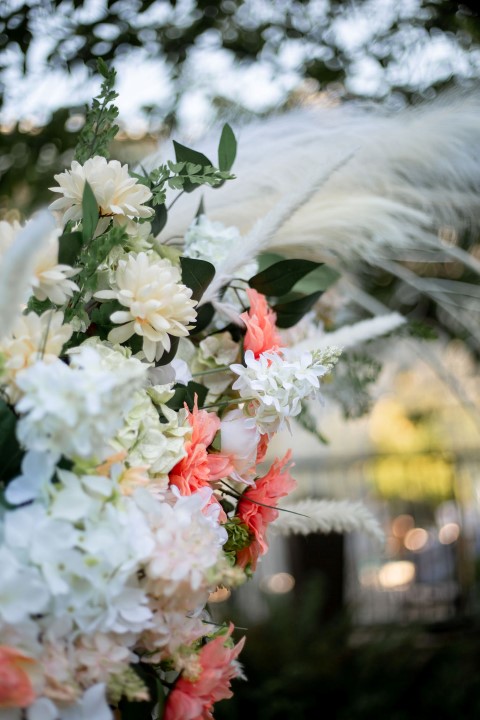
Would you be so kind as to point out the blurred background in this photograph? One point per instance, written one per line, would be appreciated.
(331, 620)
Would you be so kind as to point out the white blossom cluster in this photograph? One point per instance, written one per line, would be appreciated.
(273, 387)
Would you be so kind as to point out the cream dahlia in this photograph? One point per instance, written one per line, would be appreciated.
(33, 338)
(116, 192)
(158, 305)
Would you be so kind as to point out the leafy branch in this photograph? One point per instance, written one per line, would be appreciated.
(100, 128)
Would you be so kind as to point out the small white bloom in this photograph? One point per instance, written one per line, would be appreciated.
(274, 387)
(75, 410)
(37, 471)
(33, 338)
(22, 590)
(157, 303)
(240, 439)
(117, 193)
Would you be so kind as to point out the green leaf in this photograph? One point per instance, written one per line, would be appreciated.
(160, 219)
(227, 148)
(70, 245)
(10, 450)
(290, 313)
(89, 213)
(197, 275)
(320, 279)
(185, 394)
(204, 317)
(186, 154)
(102, 67)
(279, 279)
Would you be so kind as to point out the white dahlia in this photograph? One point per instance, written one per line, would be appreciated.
(157, 303)
(117, 193)
(34, 337)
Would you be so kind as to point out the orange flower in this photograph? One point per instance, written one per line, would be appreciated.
(267, 490)
(261, 335)
(15, 685)
(194, 699)
(199, 468)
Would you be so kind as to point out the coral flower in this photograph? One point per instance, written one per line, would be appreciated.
(194, 699)
(15, 685)
(267, 490)
(262, 335)
(199, 467)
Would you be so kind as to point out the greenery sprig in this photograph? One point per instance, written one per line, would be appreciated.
(100, 127)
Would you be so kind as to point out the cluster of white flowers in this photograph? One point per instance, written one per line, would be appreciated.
(273, 388)
(119, 521)
(74, 410)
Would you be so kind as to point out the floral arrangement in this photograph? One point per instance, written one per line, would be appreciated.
(141, 384)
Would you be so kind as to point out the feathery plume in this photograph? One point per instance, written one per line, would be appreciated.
(325, 516)
(353, 335)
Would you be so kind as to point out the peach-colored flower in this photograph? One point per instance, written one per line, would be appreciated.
(15, 684)
(267, 490)
(199, 467)
(194, 699)
(262, 335)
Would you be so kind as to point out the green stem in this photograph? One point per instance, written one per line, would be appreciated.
(221, 368)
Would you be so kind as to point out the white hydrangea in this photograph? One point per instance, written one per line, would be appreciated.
(75, 410)
(274, 387)
(188, 548)
(117, 193)
(34, 337)
(50, 279)
(157, 303)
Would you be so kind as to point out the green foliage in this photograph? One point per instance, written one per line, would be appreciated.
(205, 315)
(100, 128)
(239, 536)
(279, 278)
(89, 213)
(227, 148)
(197, 275)
(290, 312)
(355, 373)
(186, 395)
(70, 245)
(10, 451)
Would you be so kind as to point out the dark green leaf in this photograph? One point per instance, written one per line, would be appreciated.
(70, 245)
(10, 451)
(227, 149)
(320, 279)
(89, 212)
(204, 316)
(185, 394)
(160, 219)
(186, 154)
(197, 275)
(290, 313)
(168, 356)
(102, 67)
(280, 278)
(201, 208)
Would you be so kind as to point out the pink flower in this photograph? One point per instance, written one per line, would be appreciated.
(267, 490)
(199, 468)
(194, 699)
(15, 685)
(262, 335)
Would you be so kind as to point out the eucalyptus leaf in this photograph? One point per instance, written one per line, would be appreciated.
(290, 313)
(197, 275)
(90, 213)
(70, 245)
(279, 279)
(227, 148)
(187, 155)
